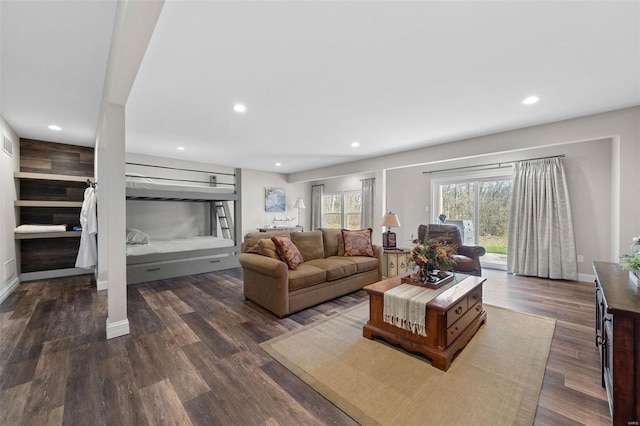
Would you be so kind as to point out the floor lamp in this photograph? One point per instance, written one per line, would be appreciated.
(299, 205)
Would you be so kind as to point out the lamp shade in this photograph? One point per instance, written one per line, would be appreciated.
(299, 204)
(390, 220)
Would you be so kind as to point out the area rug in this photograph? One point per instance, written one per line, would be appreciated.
(495, 380)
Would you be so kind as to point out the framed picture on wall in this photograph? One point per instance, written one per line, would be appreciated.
(274, 200)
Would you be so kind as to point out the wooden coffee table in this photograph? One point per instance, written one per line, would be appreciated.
(452, 318)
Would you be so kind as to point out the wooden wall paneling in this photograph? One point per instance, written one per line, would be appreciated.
(51, 190)
(46, 254)
(55, 158)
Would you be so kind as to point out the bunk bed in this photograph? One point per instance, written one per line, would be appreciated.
(149, 259)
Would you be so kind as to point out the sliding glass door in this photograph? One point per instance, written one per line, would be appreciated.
(479, 205)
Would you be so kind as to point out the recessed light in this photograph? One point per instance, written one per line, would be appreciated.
(278, 164)
(531, 100)
(55, 127)
(181, 148)
(355, 144)
(239, 108)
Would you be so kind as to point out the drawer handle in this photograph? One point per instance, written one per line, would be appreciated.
(458, 310)
(475, 297)
(477, 308)
(214, 261)
(153, 269)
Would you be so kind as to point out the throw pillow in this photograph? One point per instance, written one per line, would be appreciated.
(136, 237)
(268, 248)
(357, 243)
(288, 252)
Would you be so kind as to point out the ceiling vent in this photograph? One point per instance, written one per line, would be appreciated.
(7, 145)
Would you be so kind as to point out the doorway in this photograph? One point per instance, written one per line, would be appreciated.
(478, 203)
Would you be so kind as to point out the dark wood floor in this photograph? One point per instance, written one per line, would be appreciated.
(193, 358)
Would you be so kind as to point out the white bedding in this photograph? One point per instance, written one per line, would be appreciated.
(141, 182)
(179, 245)
(34, 229)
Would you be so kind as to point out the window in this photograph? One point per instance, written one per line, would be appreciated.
(479, 204)
(342, 210)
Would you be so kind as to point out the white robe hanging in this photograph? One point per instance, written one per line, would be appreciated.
(88, 253)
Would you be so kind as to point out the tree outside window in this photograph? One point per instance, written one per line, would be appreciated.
(342, 210)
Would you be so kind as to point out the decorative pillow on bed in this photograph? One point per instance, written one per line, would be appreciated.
(135, 237)
(357, 243)
(268, 248)
(288, 252)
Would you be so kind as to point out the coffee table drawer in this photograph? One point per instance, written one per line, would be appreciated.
(456, 312)
(454, 331)
(474, 296)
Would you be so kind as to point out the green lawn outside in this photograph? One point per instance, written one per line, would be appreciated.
(494, 243)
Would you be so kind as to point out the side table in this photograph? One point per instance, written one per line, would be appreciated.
(395, 261)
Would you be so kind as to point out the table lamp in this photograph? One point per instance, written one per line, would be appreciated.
(389, 238)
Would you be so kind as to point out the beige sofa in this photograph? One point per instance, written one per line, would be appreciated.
(324, 275)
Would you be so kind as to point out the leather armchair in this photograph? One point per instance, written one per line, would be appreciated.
(467, 257)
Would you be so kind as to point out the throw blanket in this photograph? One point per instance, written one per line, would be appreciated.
(32, 229)
(405, 306)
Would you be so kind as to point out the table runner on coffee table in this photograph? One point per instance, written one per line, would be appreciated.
(405, 306)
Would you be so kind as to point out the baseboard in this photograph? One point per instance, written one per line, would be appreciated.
(9, 289)
(117, 329)
(102, 285)
(587, 278)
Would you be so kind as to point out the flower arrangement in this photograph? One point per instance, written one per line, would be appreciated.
(630, 261)
(432, 255)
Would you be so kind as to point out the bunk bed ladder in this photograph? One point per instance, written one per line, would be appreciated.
(224, 217)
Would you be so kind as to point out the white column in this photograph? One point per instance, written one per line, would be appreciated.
(113, 212)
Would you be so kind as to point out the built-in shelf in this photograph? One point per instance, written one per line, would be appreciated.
(37, 203)
(31, 236)
(48, 176)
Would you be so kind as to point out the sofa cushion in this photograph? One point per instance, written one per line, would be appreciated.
(333, 244)
(363, 263)
(250, 243)
(335, 268)
(268, 248)
(309, 243)
(306, 276)
(357, 243)
(288, 251)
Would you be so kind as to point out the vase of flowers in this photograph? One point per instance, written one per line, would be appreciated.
(432, 258)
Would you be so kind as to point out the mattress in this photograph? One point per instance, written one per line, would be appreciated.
(178, 245)
(141, 182)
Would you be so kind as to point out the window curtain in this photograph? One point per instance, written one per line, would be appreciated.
(368, 186)
(541, 235)
(316, 206)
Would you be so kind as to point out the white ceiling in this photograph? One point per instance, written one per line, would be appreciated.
(316, 76)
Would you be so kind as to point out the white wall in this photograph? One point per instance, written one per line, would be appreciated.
(612, 230)
(254, 216)
(8, 194)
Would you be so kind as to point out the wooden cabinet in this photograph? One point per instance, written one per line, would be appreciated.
(395, 261)
(618, 340)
